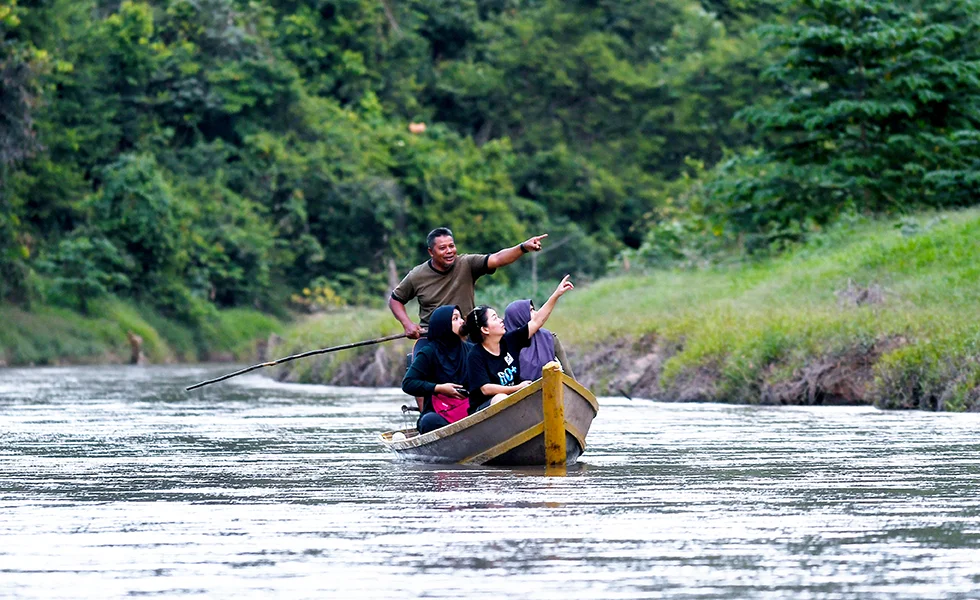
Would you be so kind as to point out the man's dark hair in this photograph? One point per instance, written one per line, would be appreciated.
(438, 232)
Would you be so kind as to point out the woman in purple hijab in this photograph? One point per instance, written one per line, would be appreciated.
(544, 347)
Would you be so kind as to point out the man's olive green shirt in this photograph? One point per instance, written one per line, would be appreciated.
(435, 288)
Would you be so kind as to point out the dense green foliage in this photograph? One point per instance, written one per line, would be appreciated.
(882, 111)
(876, 111)
(195, 155)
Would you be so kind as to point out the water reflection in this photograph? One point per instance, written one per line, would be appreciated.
(114, 482)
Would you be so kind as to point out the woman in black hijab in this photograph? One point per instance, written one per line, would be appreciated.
(438, 372)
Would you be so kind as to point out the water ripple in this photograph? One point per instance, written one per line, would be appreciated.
(116, 483)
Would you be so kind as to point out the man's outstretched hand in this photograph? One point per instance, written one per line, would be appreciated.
(534, 244)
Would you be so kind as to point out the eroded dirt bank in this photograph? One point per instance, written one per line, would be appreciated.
(635, 368)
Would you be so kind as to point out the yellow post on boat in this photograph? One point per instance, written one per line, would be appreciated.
(553, 400)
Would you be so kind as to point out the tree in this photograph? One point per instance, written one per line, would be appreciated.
(604, 100)
(18, 98)
(20, 66)
(879, 110)
(84, 267)
(138, 213)
(230, 152)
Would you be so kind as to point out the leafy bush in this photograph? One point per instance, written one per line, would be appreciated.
(319, 296)
(136, 210)
(84, 267)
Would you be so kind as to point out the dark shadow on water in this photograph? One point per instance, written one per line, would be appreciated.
(495, 471)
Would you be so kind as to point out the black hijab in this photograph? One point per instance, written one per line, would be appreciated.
(448, 349)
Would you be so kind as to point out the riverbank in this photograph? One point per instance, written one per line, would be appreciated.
(884, 313)
(118, 332)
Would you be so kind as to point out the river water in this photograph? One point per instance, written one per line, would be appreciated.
(116, 483)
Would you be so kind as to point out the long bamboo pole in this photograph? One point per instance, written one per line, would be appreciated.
(294, 357)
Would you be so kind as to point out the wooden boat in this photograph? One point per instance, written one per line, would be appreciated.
(542, 424)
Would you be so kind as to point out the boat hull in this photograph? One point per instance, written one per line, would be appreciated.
(509, 433)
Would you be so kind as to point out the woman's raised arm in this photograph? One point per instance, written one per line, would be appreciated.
(541, 316)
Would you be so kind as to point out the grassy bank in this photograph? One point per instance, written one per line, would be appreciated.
(895, 303)
(869, 312)
(49, 335)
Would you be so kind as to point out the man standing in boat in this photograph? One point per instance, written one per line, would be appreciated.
(448, 278)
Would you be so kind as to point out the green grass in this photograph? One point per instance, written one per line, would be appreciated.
(784, 313)
(764, 321)
(334, 329)
(236, 330)
(50, 335)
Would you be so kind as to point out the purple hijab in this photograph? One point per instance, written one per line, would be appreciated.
(542, 348)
